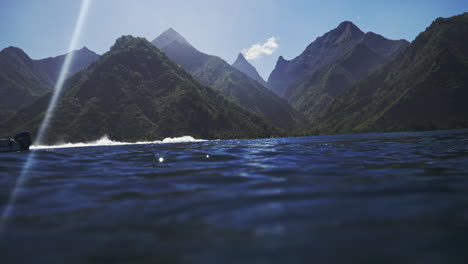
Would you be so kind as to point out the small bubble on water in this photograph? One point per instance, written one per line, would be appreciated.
(207, 156)
(161, 159)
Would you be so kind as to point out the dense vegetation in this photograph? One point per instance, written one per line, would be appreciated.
(315, 92)
(215, 72)
(345, 81)
(424, 88)
(135, 92)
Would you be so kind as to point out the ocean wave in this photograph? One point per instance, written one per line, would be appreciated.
(105, 141)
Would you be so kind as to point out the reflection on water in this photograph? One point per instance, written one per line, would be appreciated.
(385, 198)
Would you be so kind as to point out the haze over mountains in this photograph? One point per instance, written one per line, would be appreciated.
(326, 50)
(215, 72)
(23, 80)
(424, 88)
(81, 59)
(345, 81)
(135, 92)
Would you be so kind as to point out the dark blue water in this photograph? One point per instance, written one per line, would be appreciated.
(366, 198)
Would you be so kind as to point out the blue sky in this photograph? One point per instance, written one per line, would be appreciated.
(219, 27)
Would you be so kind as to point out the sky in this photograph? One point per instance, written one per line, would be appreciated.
(262, 29)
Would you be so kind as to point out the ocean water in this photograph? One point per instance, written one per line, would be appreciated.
(364, 198)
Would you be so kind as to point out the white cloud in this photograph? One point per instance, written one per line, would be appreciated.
(257, 50)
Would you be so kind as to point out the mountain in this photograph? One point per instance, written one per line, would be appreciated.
(135, 92)
(244, 66)
(81, 59)
(424, 88)
(215, 72)
(316, 91)
(21, 80)
(326, 50)
(168, 37)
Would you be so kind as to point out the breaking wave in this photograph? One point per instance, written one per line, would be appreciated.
(105, 141)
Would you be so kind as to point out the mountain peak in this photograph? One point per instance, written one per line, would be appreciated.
(14, 51)
(350, 28)
(128, 41)
(346, 23)
(241, 57)
(84, 49)
(244, 66)
(171, 31)
(167, 37)
(281, 61)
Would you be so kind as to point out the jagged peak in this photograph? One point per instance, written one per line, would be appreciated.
(241, 58)
(281, 61)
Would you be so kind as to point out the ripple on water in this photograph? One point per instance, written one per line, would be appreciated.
(323, 199)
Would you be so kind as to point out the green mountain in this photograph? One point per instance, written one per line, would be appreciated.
(135, 92)
(327, 50)
(424, 88)
(215, 72)
(21, 80)
(244, 66)
(315, 92)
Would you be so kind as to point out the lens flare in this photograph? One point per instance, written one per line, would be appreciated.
(48, 116)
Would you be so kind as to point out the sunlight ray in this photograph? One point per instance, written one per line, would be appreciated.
(48, 116)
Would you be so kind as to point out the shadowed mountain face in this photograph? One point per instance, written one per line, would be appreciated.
(135, 92)
(316, 91)
(244, 66)
(82, 58)
(23, 80)
(326, 50)
(424, 88)
(215, 72)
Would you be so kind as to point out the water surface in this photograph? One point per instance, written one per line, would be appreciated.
(364, 198)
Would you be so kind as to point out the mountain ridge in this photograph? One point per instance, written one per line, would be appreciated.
(422, 89)
(23, 80)
(324, 51)
(82, 58)
(135, 92)
(215, 72)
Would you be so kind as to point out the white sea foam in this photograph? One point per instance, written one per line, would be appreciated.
(105, 141)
